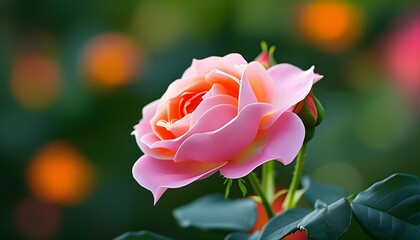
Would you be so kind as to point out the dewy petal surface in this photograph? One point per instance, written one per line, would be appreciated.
(228, 141)
(282, 141)
(157, 176)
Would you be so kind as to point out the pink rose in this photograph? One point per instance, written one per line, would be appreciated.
(225, 115)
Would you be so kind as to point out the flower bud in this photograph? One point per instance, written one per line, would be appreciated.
(266, 56)
(311, 113)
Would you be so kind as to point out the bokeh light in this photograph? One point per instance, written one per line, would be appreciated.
(36, 219)
(35, 80)
(338, 173)
(111, 60)
(84, 71)
(331, 25)
(159, 24)
(58, 173)
(402, 58)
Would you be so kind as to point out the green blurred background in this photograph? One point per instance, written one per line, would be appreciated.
(76, 74)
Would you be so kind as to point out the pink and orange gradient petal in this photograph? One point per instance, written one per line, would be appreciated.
(282, 141)
(157, 175)
(227, 142)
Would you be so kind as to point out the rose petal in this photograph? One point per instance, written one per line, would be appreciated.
(211, 120)
(229, 82)
(261, 82)
(291, 86)
(291, 83)
(282, 141)
(226, 142)
(143, 127)
(157, 176)
(246, 94)
(203, 66)
(216, 89)
(181, 126)
(211, 102)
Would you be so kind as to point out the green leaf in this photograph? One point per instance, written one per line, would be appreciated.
(325, 222)
(317, 191)
(283, 224)
(141, 235)
(390, 209)
(216, 212)
(242, 186)
(228, 183)
(328, 222)
(243, 236)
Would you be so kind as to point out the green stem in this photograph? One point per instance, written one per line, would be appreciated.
(257, 189)
(297, 175)
(268, 182)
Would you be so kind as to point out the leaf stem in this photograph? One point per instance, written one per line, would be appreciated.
(268, 181)
(297, 175)
(258, 190)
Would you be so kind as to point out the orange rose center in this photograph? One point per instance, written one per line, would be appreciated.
(189, 102)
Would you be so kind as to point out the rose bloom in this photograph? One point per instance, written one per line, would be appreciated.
(225, 115)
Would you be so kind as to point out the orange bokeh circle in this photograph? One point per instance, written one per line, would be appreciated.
(35, 80)
(332, 25)
(110, 60)
(59, 174)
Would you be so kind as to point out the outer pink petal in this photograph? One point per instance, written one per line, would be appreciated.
(203, 66)
(282, 141)
(291, 83)
(227, 142)
(200, 67)
(143, 127)
(157, 176)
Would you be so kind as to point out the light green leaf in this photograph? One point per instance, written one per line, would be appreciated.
(390, 209)
(141, 235)
(228, 183)
(242, 186)
(216, 212)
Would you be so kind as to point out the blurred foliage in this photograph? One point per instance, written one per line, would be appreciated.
(371, 128)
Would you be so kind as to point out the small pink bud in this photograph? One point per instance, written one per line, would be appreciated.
(311, 113)
(266, 56)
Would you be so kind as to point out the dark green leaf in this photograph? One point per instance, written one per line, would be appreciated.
(325, 222)
(141, 235)
(317, 191)
(283, 224)
(390, 209)
(243, 236)
(216, 212)
(328, 222)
